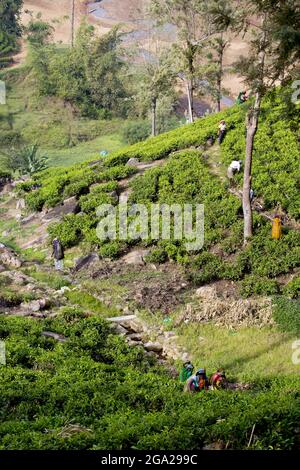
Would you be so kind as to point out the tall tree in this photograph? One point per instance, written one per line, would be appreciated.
(156, 82)
(273, 28)
(193, 29)
(72, 22)
(214, 70)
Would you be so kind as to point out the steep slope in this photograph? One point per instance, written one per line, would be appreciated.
(187, 177)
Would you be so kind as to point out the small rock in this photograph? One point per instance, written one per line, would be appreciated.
(28, 219)
(185, 357)
(64, 289)
(134, 343)
(135, 337)
(207, 292)
(150, 354)
(169, 334)
(154, 347)
(70, 206)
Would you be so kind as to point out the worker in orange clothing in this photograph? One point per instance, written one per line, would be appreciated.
(277, 228)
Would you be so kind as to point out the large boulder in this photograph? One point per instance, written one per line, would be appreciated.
(154, 347)
(8, 257)
(86, 261)
(136, 258)
(70, 206)
(36, 305)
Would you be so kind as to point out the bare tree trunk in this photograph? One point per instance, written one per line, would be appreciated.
(222, 44)
(73, 23)
(252, 124)
(192, 90)
(153, 111)
(219, 95)
(190, 101)
(191, 51)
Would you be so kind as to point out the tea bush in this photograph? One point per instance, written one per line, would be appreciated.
(292, 288)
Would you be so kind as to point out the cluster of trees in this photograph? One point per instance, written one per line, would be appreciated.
(10, 29)
(88, 75)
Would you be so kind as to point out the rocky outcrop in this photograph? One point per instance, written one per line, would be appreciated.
(56, 336)
(211, 306)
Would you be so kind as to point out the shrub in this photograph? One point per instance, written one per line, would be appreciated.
(253, 285)
(135, 132)
(112, 250)
(292, 288)
(287, 314)
(68, 231)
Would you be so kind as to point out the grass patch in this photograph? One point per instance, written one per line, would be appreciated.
(53, 280)
(55, 128)
(89, 303)
(84, 151)
(34, 255)
(246, 353)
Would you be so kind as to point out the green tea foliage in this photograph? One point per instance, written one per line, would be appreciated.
(116, 398)
(276, 152)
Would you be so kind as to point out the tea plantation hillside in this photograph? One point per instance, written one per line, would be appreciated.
(84, 387)
(186, 177)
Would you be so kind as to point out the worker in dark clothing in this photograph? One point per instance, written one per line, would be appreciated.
(58, 254)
